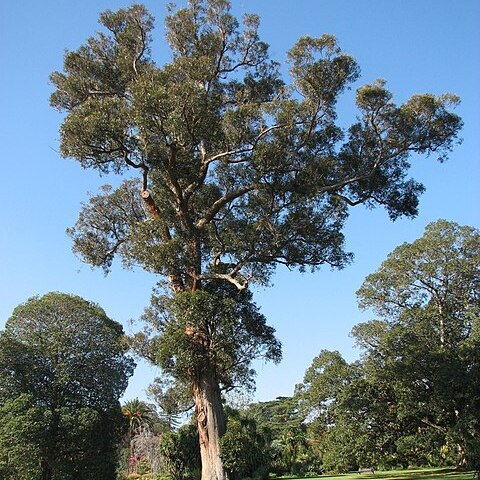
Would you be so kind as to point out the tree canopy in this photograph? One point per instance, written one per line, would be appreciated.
(438, 274)
(427, 295)
(239, 170)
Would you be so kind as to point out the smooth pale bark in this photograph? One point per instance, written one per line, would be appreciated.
(211, 425)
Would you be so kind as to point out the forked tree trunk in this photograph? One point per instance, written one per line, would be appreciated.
(211, 425)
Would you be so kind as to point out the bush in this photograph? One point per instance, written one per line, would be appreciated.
(180, 453)
(244, 450)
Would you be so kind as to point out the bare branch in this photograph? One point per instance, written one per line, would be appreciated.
(142, 50)
(171, 175)
(241, 151)
(352, 203)
(244, 62)
(103, 93)
(240, 284)
(108, 255)
(222, 201)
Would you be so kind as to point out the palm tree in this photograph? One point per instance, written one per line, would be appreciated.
(140, 415)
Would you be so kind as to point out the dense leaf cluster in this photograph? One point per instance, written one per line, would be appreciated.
(217, 329)
(62, 371)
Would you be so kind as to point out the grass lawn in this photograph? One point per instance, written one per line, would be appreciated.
(417, 474)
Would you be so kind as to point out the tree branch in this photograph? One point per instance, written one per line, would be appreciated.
(142, 50)
(241, 151)
(222, 201)
(229, 277)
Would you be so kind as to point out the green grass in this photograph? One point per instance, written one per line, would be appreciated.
(417, 474)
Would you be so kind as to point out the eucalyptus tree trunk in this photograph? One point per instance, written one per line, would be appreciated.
(211, 424)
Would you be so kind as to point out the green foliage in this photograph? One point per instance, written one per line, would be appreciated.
(241, 168)
(413, 397)
(439, 269)
(216, 328)
(281, 421)
(293, 442)
(276, 416)
(139, 414)
(63, 368)
(244, 448)
(322, 384)
(320, 398)
(60, 343)
(427, 294)
(21, 434)
(238, 172)
(180, 453)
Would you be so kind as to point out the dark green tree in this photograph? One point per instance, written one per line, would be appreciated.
(437, 273)
(413, 397)
(276, 416)
(281, 422)
(138, 414)
(427, 341)
(238, 170)
(322, 384)
(62, 370)
(180, 453)
(320, 399)
(365, 428)
(353, 418)
(245, 447)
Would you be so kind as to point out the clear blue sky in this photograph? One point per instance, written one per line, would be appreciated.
(417, 46)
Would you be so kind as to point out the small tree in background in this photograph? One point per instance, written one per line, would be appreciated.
(139, 416)
(180, 453)
(239, 171)
(245, 449)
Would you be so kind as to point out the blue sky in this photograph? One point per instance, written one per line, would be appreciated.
(417, 46)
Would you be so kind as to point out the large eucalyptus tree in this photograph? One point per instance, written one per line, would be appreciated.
(238, 171)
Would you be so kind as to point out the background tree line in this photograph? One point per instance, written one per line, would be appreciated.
(411, 399)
